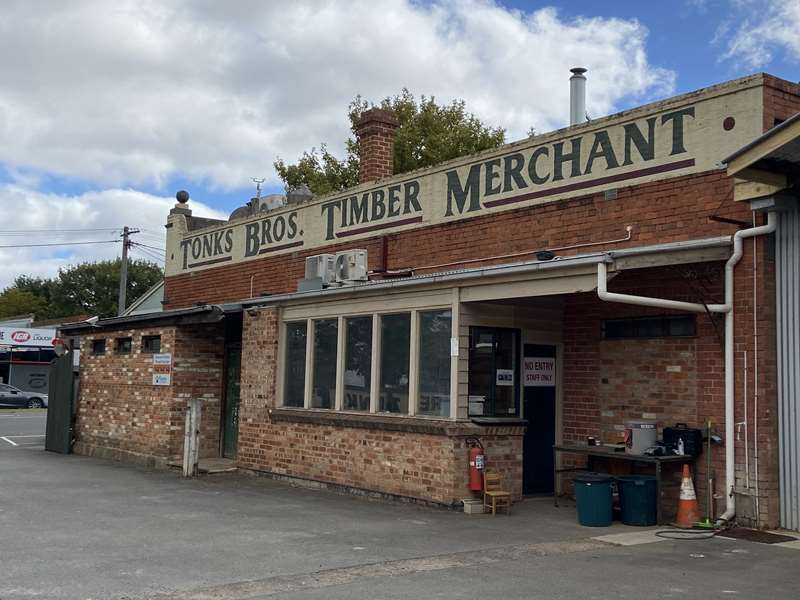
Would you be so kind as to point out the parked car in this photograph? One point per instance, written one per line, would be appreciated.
(15, 397)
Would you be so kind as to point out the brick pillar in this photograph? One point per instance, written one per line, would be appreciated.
(375, 132)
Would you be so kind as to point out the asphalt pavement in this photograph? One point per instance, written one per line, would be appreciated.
(78, 528)
(22, 428)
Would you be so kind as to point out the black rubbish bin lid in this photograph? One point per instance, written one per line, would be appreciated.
(593, 478)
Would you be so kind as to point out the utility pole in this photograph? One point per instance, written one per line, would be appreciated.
(123, 268)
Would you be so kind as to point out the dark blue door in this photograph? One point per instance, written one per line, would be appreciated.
(539, 396)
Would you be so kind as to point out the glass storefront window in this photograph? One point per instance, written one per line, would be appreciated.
(493, 372)
(295, 371)
(395, 354)
(358, 363)
(323, 393)
(434, 363)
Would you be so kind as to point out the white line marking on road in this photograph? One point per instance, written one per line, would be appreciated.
(4, 438)
(20, 436)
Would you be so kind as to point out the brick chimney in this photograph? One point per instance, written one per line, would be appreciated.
(375, 132)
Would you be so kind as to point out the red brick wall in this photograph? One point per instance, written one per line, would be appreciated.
(370, 455)
(664, 211)
(608, 381)
(781, 100)
(122, 414)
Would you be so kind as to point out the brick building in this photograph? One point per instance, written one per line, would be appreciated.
(539, 293)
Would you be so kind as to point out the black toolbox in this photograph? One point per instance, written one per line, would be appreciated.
(692, 439)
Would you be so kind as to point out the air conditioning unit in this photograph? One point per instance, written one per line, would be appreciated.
(351, 265)
(321, 266)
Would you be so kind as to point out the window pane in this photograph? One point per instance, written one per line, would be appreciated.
(481, 372)
(395, 348)
(151, 343)
(323, 393)
(358, 363)
(295, 373)
(434, 363)
(505, 402)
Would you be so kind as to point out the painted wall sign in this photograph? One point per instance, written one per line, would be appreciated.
(675, 137)
(38, 338)
(538, 371)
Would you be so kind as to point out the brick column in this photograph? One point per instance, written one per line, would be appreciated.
(258, 379)
(375, 132)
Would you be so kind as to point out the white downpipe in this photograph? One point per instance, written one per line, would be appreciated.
(730, 466)
(727, 309)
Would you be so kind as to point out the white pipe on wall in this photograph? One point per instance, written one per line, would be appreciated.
(730, 466)
(727, 309)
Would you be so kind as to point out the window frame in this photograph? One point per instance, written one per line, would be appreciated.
(310, 315)
(118, 342)
(95, 344)
(149, 338)
(662, 320)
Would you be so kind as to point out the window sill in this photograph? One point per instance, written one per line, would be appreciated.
(385, 422)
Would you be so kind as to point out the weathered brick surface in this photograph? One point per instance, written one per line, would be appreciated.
(415, 465)
(120, 409)
(680, 380)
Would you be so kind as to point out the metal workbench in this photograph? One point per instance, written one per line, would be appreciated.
(611, 453)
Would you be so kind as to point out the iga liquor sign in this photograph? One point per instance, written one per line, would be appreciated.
(36, 338)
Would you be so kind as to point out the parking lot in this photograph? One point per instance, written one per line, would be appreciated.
(22, 428)
(80, 528)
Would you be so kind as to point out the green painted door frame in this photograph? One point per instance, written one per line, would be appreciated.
(230, 421)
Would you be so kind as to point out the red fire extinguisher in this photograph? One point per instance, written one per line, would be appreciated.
(477, 460)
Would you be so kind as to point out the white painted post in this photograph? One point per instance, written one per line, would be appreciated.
(187, 441)
(191, 440)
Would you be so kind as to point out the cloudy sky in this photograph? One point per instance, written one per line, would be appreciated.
(108, 108)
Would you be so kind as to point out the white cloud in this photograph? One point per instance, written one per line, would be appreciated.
(138, 93)
(133, 93)
(85, 217)
(765, 26)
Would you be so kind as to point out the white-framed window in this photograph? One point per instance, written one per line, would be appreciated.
(433, 372)
(294, 372)
(358, 363)
(393, 362)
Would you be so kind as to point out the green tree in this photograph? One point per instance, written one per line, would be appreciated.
(87, 288)
(14, 302)
(429, 133)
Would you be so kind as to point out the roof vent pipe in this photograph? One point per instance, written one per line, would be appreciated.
(577, 96)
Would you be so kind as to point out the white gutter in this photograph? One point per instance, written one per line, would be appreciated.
(727, 309)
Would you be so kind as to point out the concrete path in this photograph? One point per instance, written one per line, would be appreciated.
(79, 528)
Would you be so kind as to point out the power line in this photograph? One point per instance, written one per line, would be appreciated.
(60, 244)
(151, 247)
(147, 254)
(21, 231)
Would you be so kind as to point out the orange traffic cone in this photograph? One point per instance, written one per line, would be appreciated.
(688, 510)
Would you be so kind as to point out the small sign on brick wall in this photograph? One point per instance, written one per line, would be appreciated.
(162, 368)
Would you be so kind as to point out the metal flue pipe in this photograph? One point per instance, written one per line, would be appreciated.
(577, 96)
